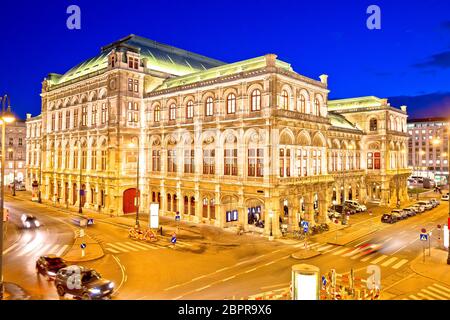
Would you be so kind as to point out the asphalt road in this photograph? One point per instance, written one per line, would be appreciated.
(195, 270)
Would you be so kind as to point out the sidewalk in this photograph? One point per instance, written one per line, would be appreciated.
(435, 266)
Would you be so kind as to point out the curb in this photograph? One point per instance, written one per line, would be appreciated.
(76, 248)
(305, 254)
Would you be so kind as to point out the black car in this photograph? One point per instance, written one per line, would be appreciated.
(29, 221)
(49, 265)
(388, 218)
(82, 283)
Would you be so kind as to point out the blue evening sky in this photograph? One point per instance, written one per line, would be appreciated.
(408, 59)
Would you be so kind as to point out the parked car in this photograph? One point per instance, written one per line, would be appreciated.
(340, 208)
(332, 214)
(49, 265)
(403, 214)
(410, 211)
(420, 208)
(445, 197)
(359, 207)
(29, 221)
(388, 218)
(435, 202)
(92, 285)
(397, 216)
(426, 204)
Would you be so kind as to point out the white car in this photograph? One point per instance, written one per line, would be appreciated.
(426, 204)
(356, 204)
(444, 197)
(420, 208)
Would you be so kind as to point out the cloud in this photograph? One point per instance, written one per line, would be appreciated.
(439, 60)
(426, 105)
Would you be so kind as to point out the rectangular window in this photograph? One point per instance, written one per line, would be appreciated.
(370, 160)
(75, 159)
(230, 162)
(377, 161)
(209, 161)
(133, 63)
(67, 119)
(11, 141)
(94, 160)
(136, 85)
(53, 122)
(60, 121)
(83, 159)
(20, 141)
(130, 84)
(171, 160)
(104, 113)
(66, 162)
(104, 152)
(189, 161)
(94, 115)
(84, 116)
(255, 162)
(75, 118)
(156, 160)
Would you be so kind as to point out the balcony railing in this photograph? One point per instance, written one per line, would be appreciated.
(298, 116)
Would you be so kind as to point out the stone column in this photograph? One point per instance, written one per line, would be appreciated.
(272, 204)
(309, 208)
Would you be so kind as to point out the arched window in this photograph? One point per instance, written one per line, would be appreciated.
(316, 107)
(209, 107)
(373, 124)
(172, 112)
(302, 104)
(190, 110)
(285, 100)
(231, 103)
(256, 100)
(157, 114)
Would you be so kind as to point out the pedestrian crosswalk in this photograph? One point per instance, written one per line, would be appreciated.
(137, 246)
(356, 253)
(434, 292)
(34, 250)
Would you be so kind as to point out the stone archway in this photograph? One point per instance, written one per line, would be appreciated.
(128, 201)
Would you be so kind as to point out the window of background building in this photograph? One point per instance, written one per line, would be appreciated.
(373, 125)
(156, 160)
(209, 108)
(172, 112)
(209, 161)
(84, 116)
(136, 85)
(75, 118)
(130, 84)
(231, 103)
(53, 122)
(284, 100)
(157, 114)
(67, 119)
(94, 115)
(104, 153)
(60, 120)
(256, 100)
(104, 113)
(189, 161)
(230, 164)
(171, 160)
(190, 110)
(255, 162)
(302, 103)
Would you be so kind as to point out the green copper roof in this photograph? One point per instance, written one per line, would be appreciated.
(224, 70)
(158, 57)
(359, 102)
(340, 121)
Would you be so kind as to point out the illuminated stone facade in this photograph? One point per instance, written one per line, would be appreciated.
(216, 141)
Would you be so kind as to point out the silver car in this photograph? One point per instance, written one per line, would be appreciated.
(419, 208)
(403, 214)
(426, 204)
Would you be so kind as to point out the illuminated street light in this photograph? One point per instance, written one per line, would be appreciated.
(6, 117)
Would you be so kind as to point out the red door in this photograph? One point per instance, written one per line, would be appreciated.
(129, 196)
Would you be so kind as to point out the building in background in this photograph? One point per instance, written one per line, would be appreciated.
(15, 152)
(222, 144)
(428, 148)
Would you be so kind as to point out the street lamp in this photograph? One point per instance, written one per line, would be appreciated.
(14, 171)
(271, 218)
(137, 199)
(6, 117)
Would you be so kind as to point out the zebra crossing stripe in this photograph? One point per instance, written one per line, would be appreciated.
(127, 245)
(112, 250)
(41, 250)
(138, 245)
(351, 253)
(432, 294)
(53, 249)
(325, 247)
(145, 245)
(414, 297)
(424, 297)
(399, 264)
(366, 258)
(359, 255)
(379, 259)
(60, 252)
(441, 287)
(447, 295)
(331, 250)
(388, 262)
(117, 247)
(11, 248)
(340, 251)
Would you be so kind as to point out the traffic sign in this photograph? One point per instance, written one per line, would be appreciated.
(177, 218)
(336, 221)
(324, 281)
(305, 230)
(83, 246)
(423, 230)
(90, 221)
(174, 239)
(305, 224)
(423, 237)
(438, 226)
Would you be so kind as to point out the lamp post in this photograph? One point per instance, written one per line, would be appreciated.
(137, 199)
(6, 117)
(271, 218)
(10, 150)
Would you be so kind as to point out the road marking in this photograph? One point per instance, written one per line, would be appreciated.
(172, 287)
(116, 246)
(359, 255)
(432, 295)
(202, 288)
(379, 259)
(357, 245)
(198, 278)
(250, 270)
(366, 258)
(124, 276)
(340, 251)
(140, 246)
(441, 287)
(10, 248)
(223, 269)
(414, 297)
(60, 252)
(325, 247)
(178, 298)
(390, 238)
(388, 262)
(331, 250)
(229, 278)
(43, 250)
(54, 248)
(349, 254)
(269, 263)
(275, 251)
(447, 295)
(112, 250)
(399, 264)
